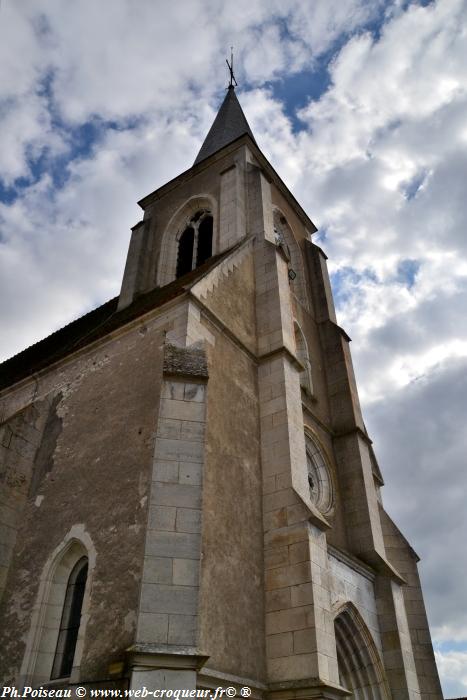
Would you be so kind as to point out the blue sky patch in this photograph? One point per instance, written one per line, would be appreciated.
(299, 89)
(407, 272)
(450, 645)
(345, 281)
(411, 187)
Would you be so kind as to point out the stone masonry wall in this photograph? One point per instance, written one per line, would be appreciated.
(404, 559)
(99, 480)
(231, 594)
(168, 612)
(20, 436)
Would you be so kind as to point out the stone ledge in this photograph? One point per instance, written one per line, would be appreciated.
(154, 657)
(307, 688)
(185, 362)
(211, 679)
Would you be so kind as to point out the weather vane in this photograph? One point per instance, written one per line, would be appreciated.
(232, 82)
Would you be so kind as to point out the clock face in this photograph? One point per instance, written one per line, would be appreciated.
(319, 479)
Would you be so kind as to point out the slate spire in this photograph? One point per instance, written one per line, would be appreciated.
(229, 124)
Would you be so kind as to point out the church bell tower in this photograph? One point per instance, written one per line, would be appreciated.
(199, 500)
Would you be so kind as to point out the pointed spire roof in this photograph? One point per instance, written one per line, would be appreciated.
(229, 124)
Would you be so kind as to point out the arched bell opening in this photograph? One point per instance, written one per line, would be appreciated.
(204, 248)
(185, 251)
(189, 239)
(195, 243)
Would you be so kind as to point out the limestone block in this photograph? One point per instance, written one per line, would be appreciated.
(182, 495)
(157, 570)
(304, 642)
(275, 519)
(179, 450)
(293, 667)
(279, 645)
(188, 520)
(182, 410)
(302, 594)
(153, 628)
(158, 598)
(166, 471)
(186, 572)
(283, 576)
(165, 679)
(169, 428)
(182, 629)
(278, 599)
(289, 620)
(300, 551)
(162, 518)
(276, 557)
(173, 544)
(190, 473)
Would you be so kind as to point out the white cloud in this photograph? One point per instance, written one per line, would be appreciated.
(453, 667)
(64, 249)
(393, 110)
(421, 445)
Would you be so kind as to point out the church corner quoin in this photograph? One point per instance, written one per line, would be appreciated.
(189, 496)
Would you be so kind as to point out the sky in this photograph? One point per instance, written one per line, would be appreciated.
(360, 105)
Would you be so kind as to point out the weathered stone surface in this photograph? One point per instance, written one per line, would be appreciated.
(185, 361)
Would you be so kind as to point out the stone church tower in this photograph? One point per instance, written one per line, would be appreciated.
(189, 496)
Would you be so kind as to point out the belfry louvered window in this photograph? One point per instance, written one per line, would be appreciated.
(195, 243)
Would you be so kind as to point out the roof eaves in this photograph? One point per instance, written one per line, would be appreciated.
(83, 331)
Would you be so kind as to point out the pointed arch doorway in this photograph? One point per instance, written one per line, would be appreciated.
(360, 667)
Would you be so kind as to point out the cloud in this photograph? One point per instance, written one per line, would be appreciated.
(421, 445)
(63, 250)
(452, 666)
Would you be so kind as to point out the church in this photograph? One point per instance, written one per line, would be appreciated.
(189, 497)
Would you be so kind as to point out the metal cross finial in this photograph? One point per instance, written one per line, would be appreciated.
(232, 82)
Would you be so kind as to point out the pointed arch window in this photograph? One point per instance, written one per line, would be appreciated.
(70, 621)
(195, 242)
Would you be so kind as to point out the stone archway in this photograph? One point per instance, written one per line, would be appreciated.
(360, 667)
(167, 268)
(41, 643)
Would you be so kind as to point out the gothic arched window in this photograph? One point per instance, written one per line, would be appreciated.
(70, 620)
(195, 243)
